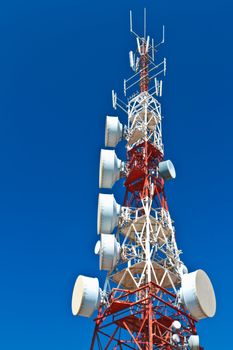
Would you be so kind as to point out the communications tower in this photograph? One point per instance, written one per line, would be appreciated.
(149, 299)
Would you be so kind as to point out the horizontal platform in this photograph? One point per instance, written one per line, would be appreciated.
(160, 230)
(129, 278)
(153, 119)
(136, 134)
(133, 323)
(136, 324)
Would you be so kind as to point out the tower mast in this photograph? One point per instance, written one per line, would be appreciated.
(149, 300)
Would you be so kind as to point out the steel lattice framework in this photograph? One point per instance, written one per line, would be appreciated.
(141, 291)
(149, 300)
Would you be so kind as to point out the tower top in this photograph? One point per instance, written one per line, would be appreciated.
(145, 68)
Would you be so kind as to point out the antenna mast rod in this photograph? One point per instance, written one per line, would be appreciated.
(145, 24)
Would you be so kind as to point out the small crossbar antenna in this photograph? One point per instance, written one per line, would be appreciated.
(131, 24)
(163, 38)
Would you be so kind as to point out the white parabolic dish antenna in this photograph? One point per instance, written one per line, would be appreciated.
(86, 296)
(198, 294)
(110, 168)
(109, 250)
(108, 213)
(167, 170)
(113, 131)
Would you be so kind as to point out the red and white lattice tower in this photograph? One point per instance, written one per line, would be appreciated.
(149, 300)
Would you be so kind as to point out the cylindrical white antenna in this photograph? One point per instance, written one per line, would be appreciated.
(156, 87)
(161, 88)
(131, 60)
(137, 64)
(114, 99)
(153, 50)
(139, 47)
(147, 43)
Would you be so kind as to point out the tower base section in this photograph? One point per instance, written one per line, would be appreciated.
(143, 319)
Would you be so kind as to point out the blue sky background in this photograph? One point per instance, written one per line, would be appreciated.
(59, 61)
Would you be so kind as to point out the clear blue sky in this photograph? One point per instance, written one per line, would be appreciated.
(59, 61)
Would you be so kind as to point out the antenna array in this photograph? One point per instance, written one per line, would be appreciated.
(149, 300)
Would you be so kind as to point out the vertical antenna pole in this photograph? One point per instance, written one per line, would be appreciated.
(144, 23)
(153, 50)
(163, 35)
(130, 21)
